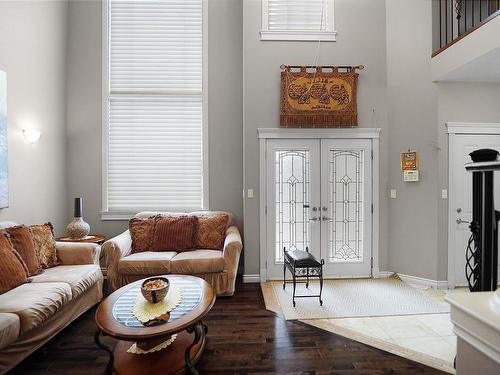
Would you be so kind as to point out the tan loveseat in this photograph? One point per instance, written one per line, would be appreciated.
(217, 267)
(33, 313)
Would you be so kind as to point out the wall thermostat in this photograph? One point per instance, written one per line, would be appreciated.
(410, 176)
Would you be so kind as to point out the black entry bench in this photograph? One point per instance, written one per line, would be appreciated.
(303, 264)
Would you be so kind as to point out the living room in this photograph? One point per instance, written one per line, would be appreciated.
(173, 123)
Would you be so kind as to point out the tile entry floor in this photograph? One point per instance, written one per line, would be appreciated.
(427, 338)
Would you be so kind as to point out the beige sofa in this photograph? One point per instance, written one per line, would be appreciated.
(217, 267)
(33, 313)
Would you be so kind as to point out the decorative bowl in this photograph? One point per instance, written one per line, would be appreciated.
(155, 294)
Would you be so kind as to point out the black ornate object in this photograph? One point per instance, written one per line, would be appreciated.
(482, 249)
(473, 258)
(458, 8)
(303, 264)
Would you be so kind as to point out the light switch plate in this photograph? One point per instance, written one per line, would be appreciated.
(250, 194)
(393, 194)
(444, 194)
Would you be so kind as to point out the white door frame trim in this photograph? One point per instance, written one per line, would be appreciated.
(335, 133)
(454, 129)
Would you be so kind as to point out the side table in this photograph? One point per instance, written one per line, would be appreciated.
(91, 238)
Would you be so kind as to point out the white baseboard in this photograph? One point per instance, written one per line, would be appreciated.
(251, 278)
(415, 281)
(420, 282)
(383, 274)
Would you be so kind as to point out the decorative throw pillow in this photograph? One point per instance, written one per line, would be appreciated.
(22, 241)
(45, 244)
(141, 232)
(211, 231)
(12, 268)
(174, 233)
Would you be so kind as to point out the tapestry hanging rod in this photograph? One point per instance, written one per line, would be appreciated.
(334, 67)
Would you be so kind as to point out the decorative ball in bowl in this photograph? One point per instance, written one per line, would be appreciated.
(155, 289)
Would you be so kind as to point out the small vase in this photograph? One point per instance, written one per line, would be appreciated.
(78, 229)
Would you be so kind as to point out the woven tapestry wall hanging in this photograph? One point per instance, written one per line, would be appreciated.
(318, 97)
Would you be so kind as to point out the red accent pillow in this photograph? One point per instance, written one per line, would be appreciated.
(12, 268)
(174, 233)
(22, 241)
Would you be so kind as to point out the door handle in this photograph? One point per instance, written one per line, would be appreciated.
(324, 218)
(460, 221)
(314, 219)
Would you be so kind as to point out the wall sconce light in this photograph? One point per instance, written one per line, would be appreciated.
(31, 136)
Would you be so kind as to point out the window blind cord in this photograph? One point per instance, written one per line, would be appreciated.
(318, 46)
(318, 50)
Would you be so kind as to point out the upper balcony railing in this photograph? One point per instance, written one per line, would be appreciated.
(454, 19)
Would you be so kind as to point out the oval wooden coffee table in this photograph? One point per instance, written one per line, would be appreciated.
(114, 317)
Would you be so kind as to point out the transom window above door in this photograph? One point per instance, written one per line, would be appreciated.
(300, 20)
(153, 107)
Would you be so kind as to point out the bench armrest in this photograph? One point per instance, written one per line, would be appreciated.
(232, 250)
(72, 253)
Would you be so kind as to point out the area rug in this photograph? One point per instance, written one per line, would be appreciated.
(352, 298)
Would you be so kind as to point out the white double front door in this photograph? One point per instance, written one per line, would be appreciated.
(319, 196)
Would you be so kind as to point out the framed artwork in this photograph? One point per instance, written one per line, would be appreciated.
(409, 161)
(4, 172)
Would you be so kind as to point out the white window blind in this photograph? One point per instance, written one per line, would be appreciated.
(298, 15)
(154, 145)
(297, 20)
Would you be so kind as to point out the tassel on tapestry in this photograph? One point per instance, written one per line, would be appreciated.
(319, 97)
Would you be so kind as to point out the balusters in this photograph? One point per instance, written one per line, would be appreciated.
(458, 17)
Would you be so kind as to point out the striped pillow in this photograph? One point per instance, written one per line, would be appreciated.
(13, 271)
(174, 233)
(22, 241)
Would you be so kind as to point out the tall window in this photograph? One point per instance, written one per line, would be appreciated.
(297, 20)
(153, 114)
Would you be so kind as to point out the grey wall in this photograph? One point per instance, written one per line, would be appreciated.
(459, 102)
(33, 53)
(85, 109)
(412, 106)
(418, 110)
(225, 105)
(359, 42)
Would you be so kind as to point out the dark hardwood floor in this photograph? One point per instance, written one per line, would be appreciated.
(243, 338)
